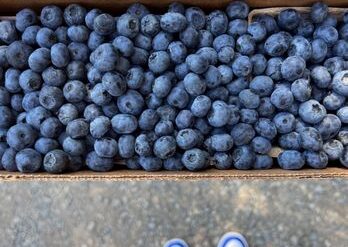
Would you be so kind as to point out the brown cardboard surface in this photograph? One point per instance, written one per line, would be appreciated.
(124, 175)
(10, 7)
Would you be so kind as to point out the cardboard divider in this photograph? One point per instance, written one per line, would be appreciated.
(9, 8)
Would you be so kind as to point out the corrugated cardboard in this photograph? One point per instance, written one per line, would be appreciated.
(9, 8)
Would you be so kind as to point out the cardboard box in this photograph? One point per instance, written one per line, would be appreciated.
(9, 8)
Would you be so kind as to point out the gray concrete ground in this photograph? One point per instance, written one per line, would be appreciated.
(276, 213)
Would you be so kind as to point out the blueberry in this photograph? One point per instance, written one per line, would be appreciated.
(342, 113)
(184, 119)
(51, 16)
(276, 44)
(273, 68)
(60, 55)
(143, 145)
(143, 41)
(67, 113)
(7, 117)
(122, 65)
(95, 40)
(46, 37)
(305, 29)
(339, 83)
(74, 14)
(139, 57)
(340, 49)
(327, 33)
(209, 54)
(312, 111)
(124, 45)
(201, 106)
(181, 70)
(237, 85)
(245, 44)
(263, 161)
(30, 81)
(51, 97)
(289, 19)
(219, 143)
(104, 57)
(56, 161)
(128, 25)
(243, 157)
(333, 149)
(152, 101)
(8, 33)
(242, 66)
(321, 77)
(5, 97)
(16, 102)
(301, 90)
(311, 139)
(291, 160)
(344, 157)
(133, 163)
(262, 85)
(110, 109)
(317, 160)
(177, 52)
(78, 33)
(173, 163)
(195, 159)
(62, 35)
(150, 163)
(77, 128)
(195, 16)
(330, 20)
(266, 128)
(28, 160)
(131, 102)
(249, 116)
(124, 123)
(164, 127)
(176, 7)
(291, 140)
(37, 115)
(165, 147)
(300, 46)
(29, 35)
(285, 122)
(237, 9)
(333, 101)
(161, 41)
(51, 127)
(222, 41)
(266, 108)
(150, 25)
(104, 24)
(25, 18)
(126, 144)
(78, 51)
(217, 22)
(319, 50)
(8, 160)
(17, 54)
(173, 22)
(329, 126)
(99, 95)
(159, 61)
(282, 98)
(226, 74)
(334, 65)
(99, 164)
(249, 99)
(106, 147)
(259, 64)
(226, 54)
(292, 68)
(319, 12)
(44, 145)
(148, 119)
(138, 10)
(242, 133)
(261, 145)
(222, 161)
(237, 27)
(219, 114)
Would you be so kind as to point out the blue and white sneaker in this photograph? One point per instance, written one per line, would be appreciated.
(233, 239)
(176, 242)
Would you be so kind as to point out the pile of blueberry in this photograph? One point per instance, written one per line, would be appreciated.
(182, 90)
